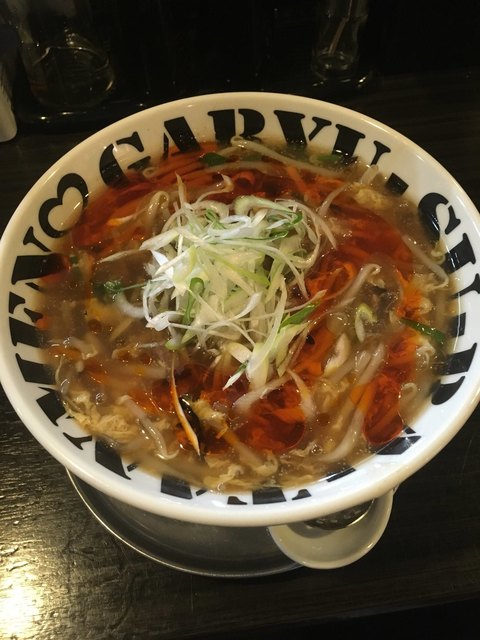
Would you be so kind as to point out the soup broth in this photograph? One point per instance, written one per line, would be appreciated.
(247, 315)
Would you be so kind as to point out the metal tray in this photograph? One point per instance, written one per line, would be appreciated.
(223, 552)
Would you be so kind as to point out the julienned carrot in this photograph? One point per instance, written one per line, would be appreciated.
(297, 179)
(323, 281)
(374, 430)
(316, 192)
(170, 178)
(180, 159)
(383, 421)
(356, 393)
(290, 415)
(332, 276)
(312, 355)
(410, 303)
(405, 354)
(326, 185)
(367, 396)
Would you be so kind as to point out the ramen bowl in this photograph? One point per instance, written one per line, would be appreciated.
(56, 200)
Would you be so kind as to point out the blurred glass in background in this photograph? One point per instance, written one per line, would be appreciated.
(85, 63)
(65, 64)
(336, 52)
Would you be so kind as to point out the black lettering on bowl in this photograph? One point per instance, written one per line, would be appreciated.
(28, 267)
(457, 325)
(268, 495)
(223, 124)
(395, 184)
(13, 301)
(225, 128)
(380, 150)
(51, 405)
(459, 255)
(302, 493)
(427, 210)
(68, 181)
(475, 286)
(291, 125)
(181, 134)
(235, 500)
(336, 475)
(78, 441)
(34, 371)
(399, 445)
(443, 391)
(253, 122)
(175, 487)
(109, 168)
(21, 332)
(109, 458)
(347, 141)
(459, 362)
(30, 238)
(320, 123)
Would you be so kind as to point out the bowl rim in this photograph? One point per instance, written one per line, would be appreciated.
(269, 514)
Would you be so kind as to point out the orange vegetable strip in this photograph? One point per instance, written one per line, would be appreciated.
(356, 393)
(326, 183)
(244, 452)
(385, 420)
(311, 356)
(290, 414)
(175, 162)
(170, 177)
(367, 397)
(299, 182)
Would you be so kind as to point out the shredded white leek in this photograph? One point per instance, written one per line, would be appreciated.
(247, 256)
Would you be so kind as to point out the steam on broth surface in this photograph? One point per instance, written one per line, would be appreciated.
(247, 316)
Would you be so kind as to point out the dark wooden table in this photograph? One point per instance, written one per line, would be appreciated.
(62, 575)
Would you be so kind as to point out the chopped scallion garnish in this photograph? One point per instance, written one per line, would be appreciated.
(214, 219)
(431, 332)
(211, 159)
(220, 275)
(299, 316)
(196, 289)
(109, 289)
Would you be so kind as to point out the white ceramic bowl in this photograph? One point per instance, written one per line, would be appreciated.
(59, 193)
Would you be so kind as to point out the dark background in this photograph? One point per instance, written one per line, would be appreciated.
(217, 44)
(167, 49)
